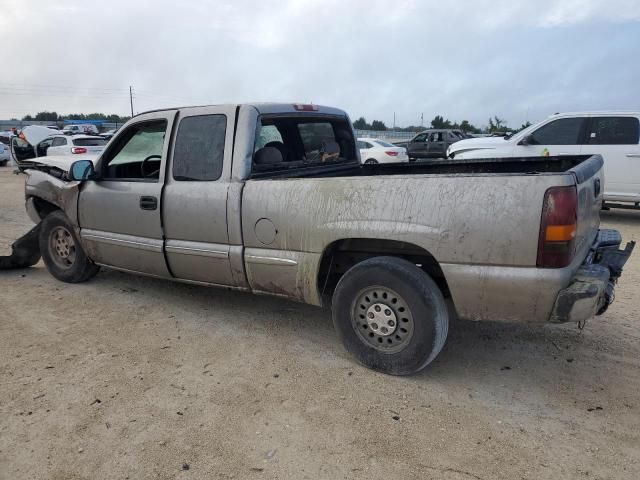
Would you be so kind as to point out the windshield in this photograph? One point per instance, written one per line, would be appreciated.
(384, 144)
(521, 133)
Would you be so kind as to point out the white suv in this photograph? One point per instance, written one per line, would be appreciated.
(614, 135)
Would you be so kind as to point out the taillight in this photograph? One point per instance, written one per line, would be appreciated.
(558, 227)
(392, 153)
(78, 150)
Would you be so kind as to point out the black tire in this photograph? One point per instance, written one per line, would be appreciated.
(371, 161)
(411, 298)
(57, 237)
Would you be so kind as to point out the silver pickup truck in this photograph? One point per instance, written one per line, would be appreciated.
(272, 199)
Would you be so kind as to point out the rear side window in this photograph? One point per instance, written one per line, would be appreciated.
(89, 142)
(614, 131)
(384, 144)
(564, 131)
(199, 151)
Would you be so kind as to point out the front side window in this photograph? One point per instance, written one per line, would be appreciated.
(362, 145)
(199, 151)
(137, 155)
(421, 138)
(564, 131)
(59, 142)
(614, 131)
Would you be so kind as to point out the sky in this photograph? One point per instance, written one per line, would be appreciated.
(519, 60)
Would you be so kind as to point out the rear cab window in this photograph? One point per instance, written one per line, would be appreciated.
(302, 141)
(89, 142)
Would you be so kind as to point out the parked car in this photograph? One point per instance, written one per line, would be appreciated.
(432, 143)
(272, 199)
(614, 135)
(109, 134)
(85, 128)
(24, 144)
(4, 154)
(373, 150)
(71, 145)
(50, 142)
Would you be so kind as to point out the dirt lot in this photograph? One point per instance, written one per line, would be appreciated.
(128, 377)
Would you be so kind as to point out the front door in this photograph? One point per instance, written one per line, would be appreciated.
(616, 139)
(195, 196)
(417, 147)
(119, 213)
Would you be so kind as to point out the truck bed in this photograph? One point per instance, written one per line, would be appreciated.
(484, 166)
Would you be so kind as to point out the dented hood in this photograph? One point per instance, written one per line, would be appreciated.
(63, 162)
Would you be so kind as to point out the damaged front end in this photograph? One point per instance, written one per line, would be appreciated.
(47, 188)
(25, 252)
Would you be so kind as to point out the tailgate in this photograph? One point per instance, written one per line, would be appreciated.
(590, 187)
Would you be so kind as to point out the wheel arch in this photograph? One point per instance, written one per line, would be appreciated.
(342, 254)
(39, 208)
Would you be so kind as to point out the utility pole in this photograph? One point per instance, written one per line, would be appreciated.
(422, 119)
(131, 99)
(394, 120)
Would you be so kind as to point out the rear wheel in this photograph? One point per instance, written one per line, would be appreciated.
(61, 251)
(390, 315)
(371, 161)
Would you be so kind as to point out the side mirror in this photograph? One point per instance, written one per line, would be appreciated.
(526, 140)
(82, 170)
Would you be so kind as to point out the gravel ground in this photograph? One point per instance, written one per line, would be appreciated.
(130, 377)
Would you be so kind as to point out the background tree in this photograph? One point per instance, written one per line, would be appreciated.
(439, 122)
(378, 125)
(361, 124)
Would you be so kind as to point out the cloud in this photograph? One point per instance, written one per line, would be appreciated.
(462, 60)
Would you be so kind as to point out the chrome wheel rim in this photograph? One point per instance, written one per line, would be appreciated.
(62, 247)
(382, 319)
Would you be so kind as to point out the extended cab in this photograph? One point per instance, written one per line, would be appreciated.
(271, 198)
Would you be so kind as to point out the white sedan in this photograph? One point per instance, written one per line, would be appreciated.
(71, 144)
(374, 151)
(4, 154)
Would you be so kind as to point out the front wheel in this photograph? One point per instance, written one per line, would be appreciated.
(61, 250)
(390, 315)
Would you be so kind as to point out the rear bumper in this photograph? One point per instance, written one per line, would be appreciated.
(591, 289)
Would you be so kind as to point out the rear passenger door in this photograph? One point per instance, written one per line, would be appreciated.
(437, 145)
(616, 138)
(59, 147)
(195, 196)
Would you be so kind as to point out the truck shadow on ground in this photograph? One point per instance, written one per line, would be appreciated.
(480, 354)
(629, 218)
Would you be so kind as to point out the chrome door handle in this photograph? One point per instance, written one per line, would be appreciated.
(633, 155)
